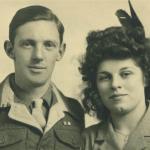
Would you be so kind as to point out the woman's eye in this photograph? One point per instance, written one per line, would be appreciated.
(104, 78)
(126, 74)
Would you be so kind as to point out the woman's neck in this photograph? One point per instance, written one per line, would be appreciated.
(126, 123)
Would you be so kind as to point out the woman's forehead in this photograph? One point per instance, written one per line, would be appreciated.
(117, 64)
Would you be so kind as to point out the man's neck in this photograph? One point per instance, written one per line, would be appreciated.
(29, 92)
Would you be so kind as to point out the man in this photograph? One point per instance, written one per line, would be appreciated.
(34, 114)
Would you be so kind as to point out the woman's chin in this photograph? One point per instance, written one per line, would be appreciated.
(120, 111)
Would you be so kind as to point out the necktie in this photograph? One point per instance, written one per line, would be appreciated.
(37, 112)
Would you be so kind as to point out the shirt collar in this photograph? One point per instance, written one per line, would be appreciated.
(50, 97)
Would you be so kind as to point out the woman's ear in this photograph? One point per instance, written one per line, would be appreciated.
(9, 49)
(61, 51)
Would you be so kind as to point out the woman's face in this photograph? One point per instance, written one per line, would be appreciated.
(121, 85)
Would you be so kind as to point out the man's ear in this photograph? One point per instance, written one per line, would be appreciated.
(61, 51)
(145, 81)
(9, 49)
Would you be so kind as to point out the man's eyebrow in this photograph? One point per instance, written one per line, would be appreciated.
(34, 41)
(29, 40)
(51, 41)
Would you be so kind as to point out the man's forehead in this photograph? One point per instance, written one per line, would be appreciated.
(42, 25)
(38, 30)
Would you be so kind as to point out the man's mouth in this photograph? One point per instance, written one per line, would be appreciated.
(37, 67)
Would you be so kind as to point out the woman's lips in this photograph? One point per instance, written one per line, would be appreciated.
(116, 96)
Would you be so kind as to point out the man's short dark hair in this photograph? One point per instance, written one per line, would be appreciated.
(34, 13)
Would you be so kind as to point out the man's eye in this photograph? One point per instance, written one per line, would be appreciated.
(49, 44)
(26, 44)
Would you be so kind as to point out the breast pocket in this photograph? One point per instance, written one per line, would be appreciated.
(12, 139)
(67, 140)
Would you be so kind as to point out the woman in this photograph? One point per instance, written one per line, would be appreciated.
(116, 69)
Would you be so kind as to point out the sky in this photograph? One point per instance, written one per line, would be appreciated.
(79, 17)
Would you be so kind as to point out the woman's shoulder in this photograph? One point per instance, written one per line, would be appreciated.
(93, 129)
(90, 134)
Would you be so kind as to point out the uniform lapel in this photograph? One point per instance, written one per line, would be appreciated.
(56, 112)
(20, 113)
(17, 111)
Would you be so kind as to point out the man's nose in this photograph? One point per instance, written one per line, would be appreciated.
(116, 82)
(38, 53)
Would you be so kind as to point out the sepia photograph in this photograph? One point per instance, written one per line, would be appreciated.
(75, 75)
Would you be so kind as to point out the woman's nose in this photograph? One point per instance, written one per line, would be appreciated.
(116, 82)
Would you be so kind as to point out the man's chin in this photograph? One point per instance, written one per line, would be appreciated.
(38, 83)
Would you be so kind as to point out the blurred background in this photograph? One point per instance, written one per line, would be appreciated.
(79, 17)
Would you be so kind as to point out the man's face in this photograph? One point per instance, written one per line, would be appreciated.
(36, 49)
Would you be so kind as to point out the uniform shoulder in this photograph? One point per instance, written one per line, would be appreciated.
(93, 129)
(75, 103)
(76, 108)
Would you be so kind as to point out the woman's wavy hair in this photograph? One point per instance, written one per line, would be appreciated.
(127, 41)
(111, 43)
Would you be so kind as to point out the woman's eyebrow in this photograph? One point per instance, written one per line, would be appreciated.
(102, 72)
(125, 68)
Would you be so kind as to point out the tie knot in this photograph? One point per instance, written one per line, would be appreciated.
(38, 103)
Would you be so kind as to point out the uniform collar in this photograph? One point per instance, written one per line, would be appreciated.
(69, 104)
(20, 113)
(66, 104)
(7, 97)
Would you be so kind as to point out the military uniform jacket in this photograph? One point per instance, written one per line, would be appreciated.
(20, 131)
(95, 137)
